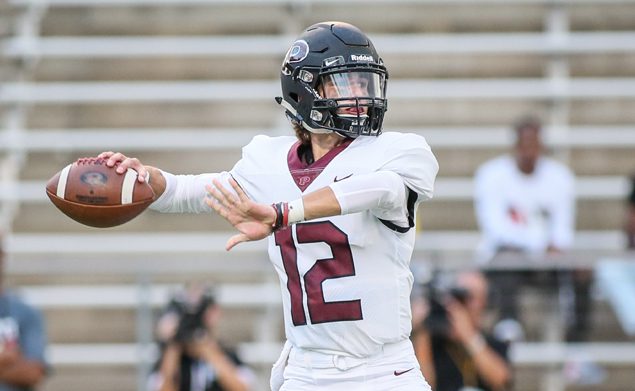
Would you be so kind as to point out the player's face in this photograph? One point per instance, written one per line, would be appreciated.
(352, 85)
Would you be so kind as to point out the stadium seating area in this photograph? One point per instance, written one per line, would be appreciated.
(183, 84)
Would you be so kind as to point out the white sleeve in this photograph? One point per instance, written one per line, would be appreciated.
(381, 192)
(411, 157)
(186, 193)
(491, 210)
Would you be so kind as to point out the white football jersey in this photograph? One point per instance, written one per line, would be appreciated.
(345, 280)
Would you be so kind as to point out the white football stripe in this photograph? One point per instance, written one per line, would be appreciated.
(61, 183)
(127, 187)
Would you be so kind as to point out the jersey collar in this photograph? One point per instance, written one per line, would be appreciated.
(304, 174)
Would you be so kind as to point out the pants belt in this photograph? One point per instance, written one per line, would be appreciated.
(313, 359)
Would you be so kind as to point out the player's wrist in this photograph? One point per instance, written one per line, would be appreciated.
(287, 213)
(278, 221)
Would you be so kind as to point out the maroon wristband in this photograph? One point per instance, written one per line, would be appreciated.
(282, 215)
(285, 214)
(277, 223)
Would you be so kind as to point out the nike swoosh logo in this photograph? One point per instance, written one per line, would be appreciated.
(329, 63)
(399, 373)
(336, 179)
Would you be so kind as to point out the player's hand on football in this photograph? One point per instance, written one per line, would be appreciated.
(254, 221)
(123, 163)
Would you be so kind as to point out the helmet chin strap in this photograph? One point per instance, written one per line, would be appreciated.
(353, 119)
(294, 114)
(318, 130)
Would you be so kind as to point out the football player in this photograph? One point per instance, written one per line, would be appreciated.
(337, 204)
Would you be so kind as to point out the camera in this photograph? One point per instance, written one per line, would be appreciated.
(191, 316)
(437, 322)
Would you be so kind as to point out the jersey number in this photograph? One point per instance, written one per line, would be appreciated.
(340, 265)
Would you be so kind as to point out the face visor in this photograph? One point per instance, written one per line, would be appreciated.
(352, 103)
(353, 84)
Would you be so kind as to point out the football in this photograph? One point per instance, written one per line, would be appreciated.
(91, 193)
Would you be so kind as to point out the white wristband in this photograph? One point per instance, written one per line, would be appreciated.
(296, 211)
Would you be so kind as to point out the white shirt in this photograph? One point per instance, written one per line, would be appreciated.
(345, 280)
(527, 212)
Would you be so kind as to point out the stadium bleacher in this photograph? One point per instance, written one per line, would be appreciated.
(183, 84)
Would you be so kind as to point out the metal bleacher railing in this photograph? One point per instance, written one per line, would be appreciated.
(258, 352)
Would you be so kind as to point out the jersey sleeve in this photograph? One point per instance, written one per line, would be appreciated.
(381, 192)
(411, 157)
(405, 176)
(250, 159)
(257, 164)
(187, 193)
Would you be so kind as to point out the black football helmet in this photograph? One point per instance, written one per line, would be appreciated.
(333, 80)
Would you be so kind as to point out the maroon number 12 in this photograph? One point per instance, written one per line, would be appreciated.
(340, 265)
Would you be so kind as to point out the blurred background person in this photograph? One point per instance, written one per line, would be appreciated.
(22, 341)
(629, 227)
(525, 206)
(192, 358)
(453, 349)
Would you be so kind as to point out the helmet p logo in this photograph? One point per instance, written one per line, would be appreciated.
(298, 51)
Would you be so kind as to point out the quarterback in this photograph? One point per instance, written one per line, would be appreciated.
(337, 202)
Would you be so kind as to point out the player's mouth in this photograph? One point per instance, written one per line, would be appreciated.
(354, 111)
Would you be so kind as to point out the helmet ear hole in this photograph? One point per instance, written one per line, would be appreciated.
(294, 96)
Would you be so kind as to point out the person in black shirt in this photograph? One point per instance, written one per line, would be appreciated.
(191, 358)
(453, 351)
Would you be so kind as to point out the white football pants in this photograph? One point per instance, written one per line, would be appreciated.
(395, 368)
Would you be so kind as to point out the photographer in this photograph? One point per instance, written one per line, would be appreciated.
(453, 351)
(191, 357)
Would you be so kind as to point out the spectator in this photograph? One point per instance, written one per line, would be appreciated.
(453, 350)
(629, 227)
(22, 342)
(192, 359)
(525, 205)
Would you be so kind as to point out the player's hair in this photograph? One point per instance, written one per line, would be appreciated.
(302, 134)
